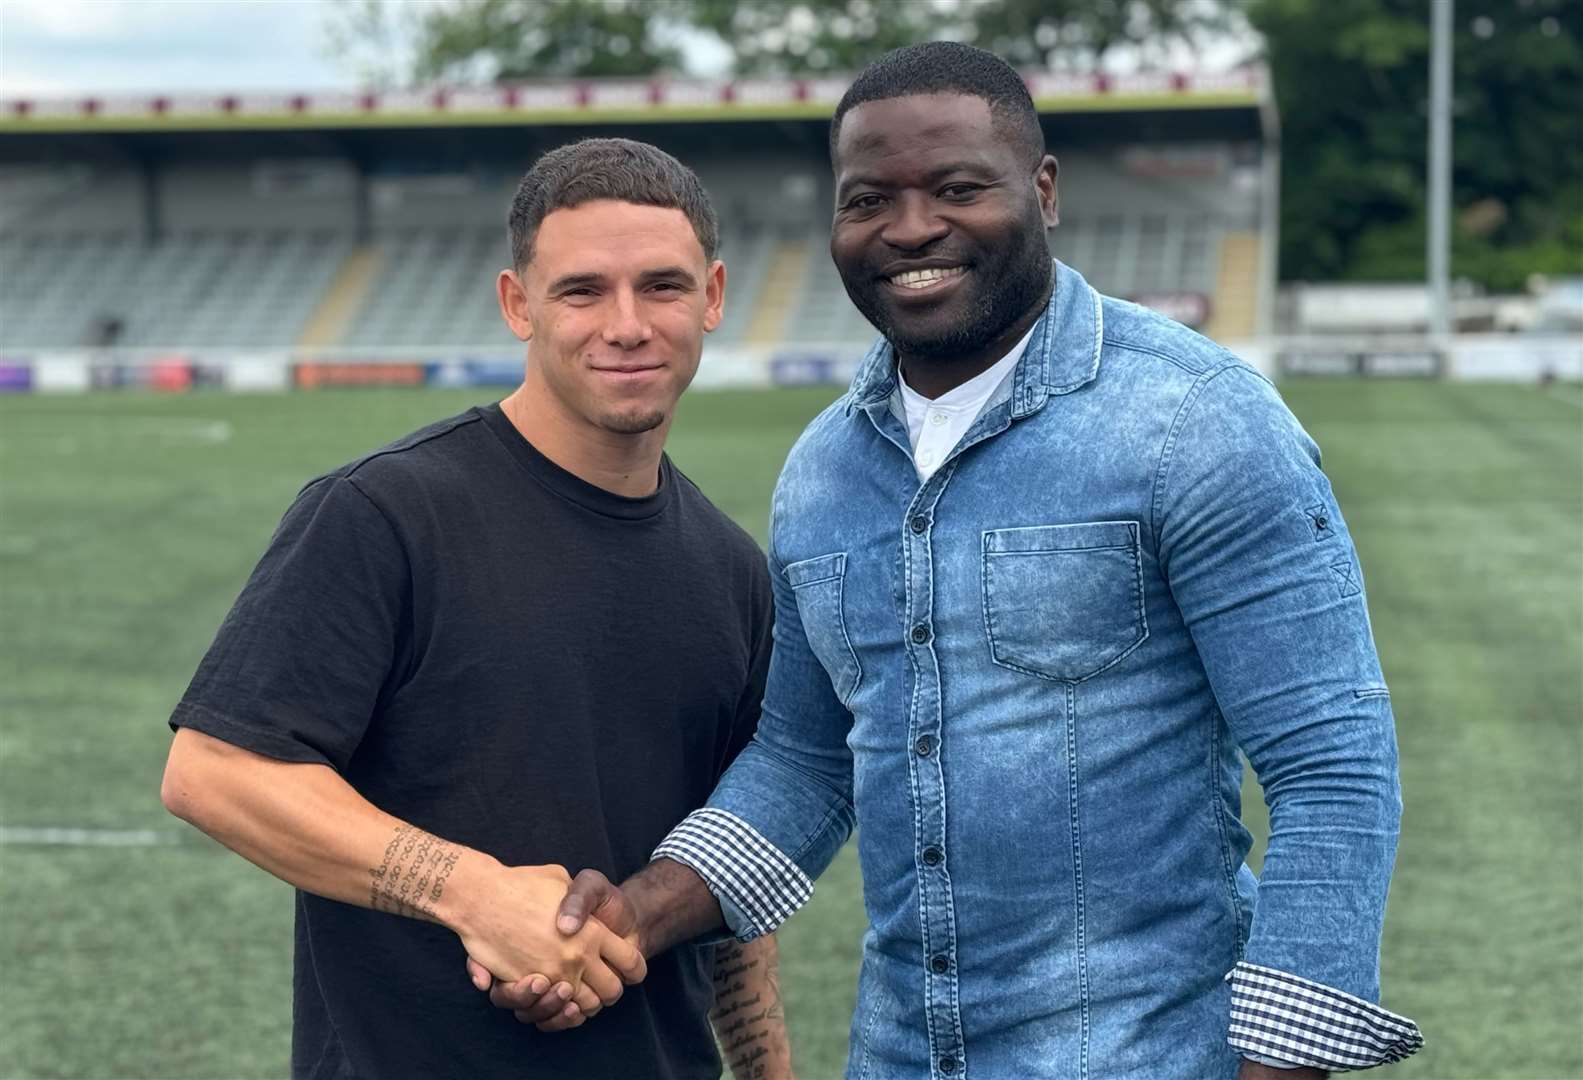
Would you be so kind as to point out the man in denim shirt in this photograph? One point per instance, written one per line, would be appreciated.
(1040, 574)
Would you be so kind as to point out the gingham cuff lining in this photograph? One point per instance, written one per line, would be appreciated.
(1293, 1019)
(740, 867)
(1271, 1062)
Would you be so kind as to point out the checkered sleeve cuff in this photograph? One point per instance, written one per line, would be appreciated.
(753, 879)
(1281, 1016)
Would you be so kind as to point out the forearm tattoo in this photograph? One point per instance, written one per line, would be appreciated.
(412, 876)
(749, 1016)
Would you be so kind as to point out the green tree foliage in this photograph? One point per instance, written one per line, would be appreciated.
(1076, 34)
(470, 41)
(809, 36)
(519, 39)
(509, 39)
(1352, 81)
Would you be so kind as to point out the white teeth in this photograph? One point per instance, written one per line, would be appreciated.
(921, 279)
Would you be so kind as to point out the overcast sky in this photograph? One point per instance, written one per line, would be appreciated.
(70, 47)
(73, 47)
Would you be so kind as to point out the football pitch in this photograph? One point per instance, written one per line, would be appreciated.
(130, 946)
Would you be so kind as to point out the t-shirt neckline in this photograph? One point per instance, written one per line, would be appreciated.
(568, 485)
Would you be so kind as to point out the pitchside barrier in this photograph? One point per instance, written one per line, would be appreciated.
(1468, 356)
(1510, 357)
(179, 370)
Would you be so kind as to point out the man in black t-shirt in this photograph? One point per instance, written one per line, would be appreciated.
(515, 642)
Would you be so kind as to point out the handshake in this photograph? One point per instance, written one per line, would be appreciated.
(533, 946)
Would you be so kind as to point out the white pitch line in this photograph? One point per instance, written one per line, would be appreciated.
(179, 428)
(210, 431)
(1576, 403)
(67, 836)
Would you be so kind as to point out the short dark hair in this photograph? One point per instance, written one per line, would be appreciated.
(948, 67)
(622, 169)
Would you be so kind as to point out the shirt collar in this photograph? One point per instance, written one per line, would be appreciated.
(973, 393)
(1062, 353)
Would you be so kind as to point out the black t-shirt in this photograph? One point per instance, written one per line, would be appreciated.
(513, 659)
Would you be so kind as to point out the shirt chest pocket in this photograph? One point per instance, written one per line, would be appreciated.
(819, 585)
(1063, 602)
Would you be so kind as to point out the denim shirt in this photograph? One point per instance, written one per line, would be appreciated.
(1027, 681)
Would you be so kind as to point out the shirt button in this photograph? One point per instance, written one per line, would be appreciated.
(923, 746)
(940, 964)
(1320, 523)
(920, 634)
(920, 524)
(932, 856)
(948, 1064)
(937, 418)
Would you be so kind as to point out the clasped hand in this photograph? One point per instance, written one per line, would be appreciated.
(542, 957)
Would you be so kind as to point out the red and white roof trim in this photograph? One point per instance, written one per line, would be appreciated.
(594, 96)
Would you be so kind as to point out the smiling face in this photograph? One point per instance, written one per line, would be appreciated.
(939, 227)
(614, 302)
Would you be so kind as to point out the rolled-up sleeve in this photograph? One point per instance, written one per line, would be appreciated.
(784, 807)
(1260, 563)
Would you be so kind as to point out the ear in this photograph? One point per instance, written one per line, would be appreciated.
(513, 297)
(714, 295)
(1044, 182)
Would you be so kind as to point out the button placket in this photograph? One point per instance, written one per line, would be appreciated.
(934, 893)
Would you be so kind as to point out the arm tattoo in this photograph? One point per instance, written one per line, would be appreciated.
(412, 876)
(749, 1016)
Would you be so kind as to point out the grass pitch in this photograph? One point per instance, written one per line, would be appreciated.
(128, 522)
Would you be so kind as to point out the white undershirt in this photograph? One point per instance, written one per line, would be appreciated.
(935, 426)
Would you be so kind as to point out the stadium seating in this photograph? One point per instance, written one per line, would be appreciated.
(238, 289)
(434, 286)
(267, 259)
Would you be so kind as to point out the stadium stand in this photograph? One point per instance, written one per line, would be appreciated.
(355, 234)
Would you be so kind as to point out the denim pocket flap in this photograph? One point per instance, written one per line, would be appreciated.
(813, 571)
(1085, 536)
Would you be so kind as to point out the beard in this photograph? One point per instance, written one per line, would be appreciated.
(633, 421)
(1004, 286)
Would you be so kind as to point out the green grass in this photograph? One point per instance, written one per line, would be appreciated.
(126, 529)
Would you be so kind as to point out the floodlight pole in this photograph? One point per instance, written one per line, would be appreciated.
(1439, 236)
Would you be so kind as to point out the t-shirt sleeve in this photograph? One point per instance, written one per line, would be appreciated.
(300, 662)
(762, 626)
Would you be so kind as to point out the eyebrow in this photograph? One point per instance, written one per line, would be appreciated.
(933, 176)
(573, 281)
(667, 273)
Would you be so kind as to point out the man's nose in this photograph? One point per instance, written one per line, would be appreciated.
(626, 327)
(914, 224)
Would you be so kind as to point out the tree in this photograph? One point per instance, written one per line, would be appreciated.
(801, 36)
(1352, 82)
(548, 38)
(1081, 34)
(472, 40)
(812, 36)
